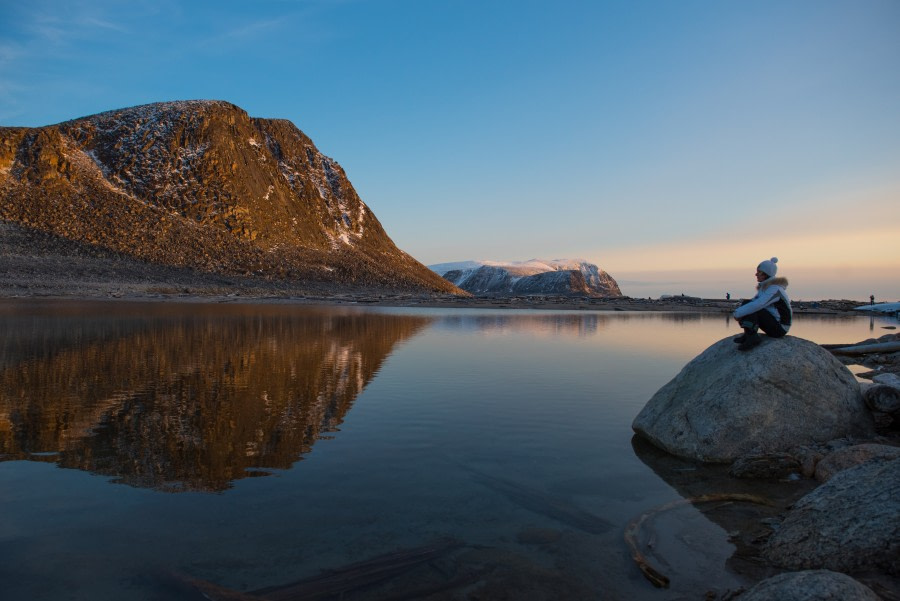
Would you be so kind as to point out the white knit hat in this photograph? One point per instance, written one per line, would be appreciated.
(769, 267)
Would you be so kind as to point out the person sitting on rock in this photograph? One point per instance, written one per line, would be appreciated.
(770, 309)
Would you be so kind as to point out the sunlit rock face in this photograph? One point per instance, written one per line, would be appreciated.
(201, 184)
(185, 403)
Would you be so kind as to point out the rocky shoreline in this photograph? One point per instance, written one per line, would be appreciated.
(765, 415)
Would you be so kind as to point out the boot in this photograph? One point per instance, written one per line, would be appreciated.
(751, 339)
(747, 325)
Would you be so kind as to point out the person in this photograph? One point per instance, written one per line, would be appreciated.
(769, 310)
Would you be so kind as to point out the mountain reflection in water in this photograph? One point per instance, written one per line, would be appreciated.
(184, 400)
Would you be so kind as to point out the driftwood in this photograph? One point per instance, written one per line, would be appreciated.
(331, 583)
(544, 504)
(867, 349)
(657, 578)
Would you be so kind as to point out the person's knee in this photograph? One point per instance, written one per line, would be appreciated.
(774, 330)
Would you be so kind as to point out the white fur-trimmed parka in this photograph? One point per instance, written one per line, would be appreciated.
(768, 292)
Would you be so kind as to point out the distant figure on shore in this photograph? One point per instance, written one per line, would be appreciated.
(770, 309)
(871, 299)
(727, 296)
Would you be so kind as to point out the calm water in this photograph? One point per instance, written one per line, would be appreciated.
(253, 446)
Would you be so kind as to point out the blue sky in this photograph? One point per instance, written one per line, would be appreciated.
(674, 143)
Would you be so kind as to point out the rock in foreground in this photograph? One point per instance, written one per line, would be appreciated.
(847, 457)
(849, 524)
(726, 403)
(812, 585)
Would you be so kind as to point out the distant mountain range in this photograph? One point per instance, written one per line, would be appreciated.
(537, 277)
(202, 185)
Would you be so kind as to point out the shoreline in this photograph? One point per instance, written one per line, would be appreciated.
(36, 266)
(243, 294)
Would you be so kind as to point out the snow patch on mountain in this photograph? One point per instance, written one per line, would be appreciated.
(535, 276)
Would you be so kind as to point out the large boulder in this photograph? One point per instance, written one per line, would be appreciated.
(811, 585)
(849, 524)
(728, 403)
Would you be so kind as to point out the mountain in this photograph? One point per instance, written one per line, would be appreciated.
(567, 277)
(202, 185)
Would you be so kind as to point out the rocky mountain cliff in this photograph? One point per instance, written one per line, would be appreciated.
(536, 277)
(202, 185)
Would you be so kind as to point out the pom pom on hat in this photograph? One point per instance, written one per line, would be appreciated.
(769, 267)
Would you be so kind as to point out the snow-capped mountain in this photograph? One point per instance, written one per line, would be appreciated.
(570, 277)
(201, 184)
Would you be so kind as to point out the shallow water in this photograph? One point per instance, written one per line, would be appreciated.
(254, 445)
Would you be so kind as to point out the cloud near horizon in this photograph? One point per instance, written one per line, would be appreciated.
(874, 247)
(859, 231)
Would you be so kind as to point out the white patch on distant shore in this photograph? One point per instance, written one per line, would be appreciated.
(881, 308)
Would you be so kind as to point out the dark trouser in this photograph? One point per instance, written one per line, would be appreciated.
(764, 321)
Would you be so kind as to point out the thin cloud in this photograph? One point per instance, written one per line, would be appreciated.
(103, 24)
(10, 53)
(252, 30)
(61, 25)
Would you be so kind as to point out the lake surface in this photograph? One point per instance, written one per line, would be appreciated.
(245, 447)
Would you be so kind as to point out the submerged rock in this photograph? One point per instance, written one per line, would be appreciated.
(849, 524)
(776, 465)
(727, 403)
(810, 585)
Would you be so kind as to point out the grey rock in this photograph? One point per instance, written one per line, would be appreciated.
(727, 403)
(810, 585)
(892, 380)
(852, 456)
(849, 524)
(483, 280)
(883, 398)
(552, 282)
